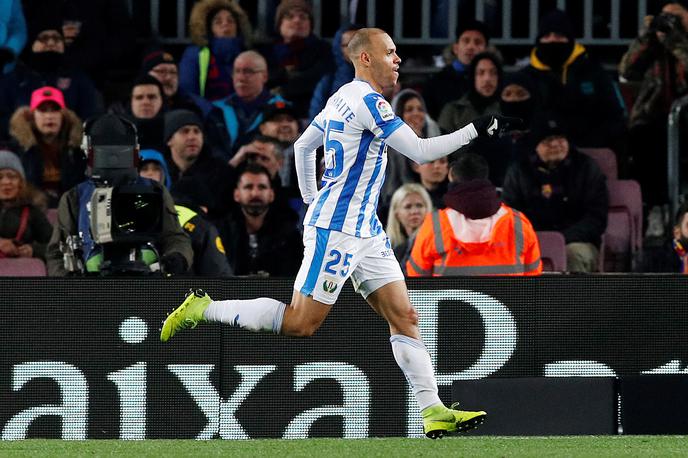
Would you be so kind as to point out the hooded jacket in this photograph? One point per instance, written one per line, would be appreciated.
(329, 84)
(72, 161)
(583, 95)
(205, 68)
(156, 156)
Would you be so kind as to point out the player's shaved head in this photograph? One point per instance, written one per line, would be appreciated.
(362, 41)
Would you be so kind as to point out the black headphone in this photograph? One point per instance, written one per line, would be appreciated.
(87, 144)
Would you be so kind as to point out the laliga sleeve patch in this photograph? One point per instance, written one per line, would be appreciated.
(384, 109)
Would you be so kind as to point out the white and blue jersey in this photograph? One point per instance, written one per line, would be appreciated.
(354, 125)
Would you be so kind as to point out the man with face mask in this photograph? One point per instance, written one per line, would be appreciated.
(560, 189)
(261, 238)
(575, 86)
(44, 65)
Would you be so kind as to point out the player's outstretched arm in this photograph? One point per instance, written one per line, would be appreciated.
(304, 157)
(422, 150)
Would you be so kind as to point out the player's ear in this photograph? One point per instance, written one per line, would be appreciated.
(364, 57)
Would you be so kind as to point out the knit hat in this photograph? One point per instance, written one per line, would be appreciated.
(556, 21)
(155, 58)
(546, 125)
(176, 119)
(472, 24)
(9, 160)
(46, 94)
(286, 6)
(50, 20)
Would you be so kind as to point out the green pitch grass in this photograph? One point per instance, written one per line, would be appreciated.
(573, 446)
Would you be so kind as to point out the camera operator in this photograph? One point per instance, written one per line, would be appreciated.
(655, 64)
(143, 235)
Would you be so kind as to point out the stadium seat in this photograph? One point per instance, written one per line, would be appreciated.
(552, 251)
(605, 159)
(22, 267)
(622, 240)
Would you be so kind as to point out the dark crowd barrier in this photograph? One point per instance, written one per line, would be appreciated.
(81, 358)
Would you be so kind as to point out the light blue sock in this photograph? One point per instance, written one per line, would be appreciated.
(262, 314)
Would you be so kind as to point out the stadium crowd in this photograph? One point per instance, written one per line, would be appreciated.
(216, 129)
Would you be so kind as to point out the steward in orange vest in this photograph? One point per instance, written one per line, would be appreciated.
(475, 234)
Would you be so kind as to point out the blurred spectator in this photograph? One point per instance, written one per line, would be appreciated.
(433, 177)
(672, 256)
(49, 135)
(192, 199)
(475, 234)
(108, 136)
(561, 189)
(344, 72)
(481, 98)
(410, 204)
(657, 61)
(575, 86)
(12, 33)
(24, 229)
(235, 119)
(44, 65)
(410, 107)
(220, 30)
(189, 156)
(161, 65)
(485, 77)
(518, 98)
(280, 122)
(152, 165)
(451, 83)
(297, 58)
(261, 239)
(99, 35)
(145, 108)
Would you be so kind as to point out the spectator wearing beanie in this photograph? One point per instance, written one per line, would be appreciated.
(188, 156)
(192, 199)
(161, 65)
(297, 58)
(574, 86)
(219, 30)
(42, 66)
(24, 229)
(49, 137)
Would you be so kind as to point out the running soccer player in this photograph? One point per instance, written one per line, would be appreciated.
(342, 235)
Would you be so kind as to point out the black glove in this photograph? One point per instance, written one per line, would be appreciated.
(666, 22)
(174, 264)
(493, 126)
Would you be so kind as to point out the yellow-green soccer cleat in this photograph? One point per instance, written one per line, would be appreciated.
(439, 420)
(187, 315)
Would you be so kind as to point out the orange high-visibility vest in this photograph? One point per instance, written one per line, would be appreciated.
(512, 248)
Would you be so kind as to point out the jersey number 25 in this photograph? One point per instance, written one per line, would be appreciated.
(334, 151)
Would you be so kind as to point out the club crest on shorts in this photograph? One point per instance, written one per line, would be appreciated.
(329, 286)
(384, 109)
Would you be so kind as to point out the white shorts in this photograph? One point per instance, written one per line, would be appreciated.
(330, 257)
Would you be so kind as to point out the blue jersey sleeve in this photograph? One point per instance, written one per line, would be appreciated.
(382, 114)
